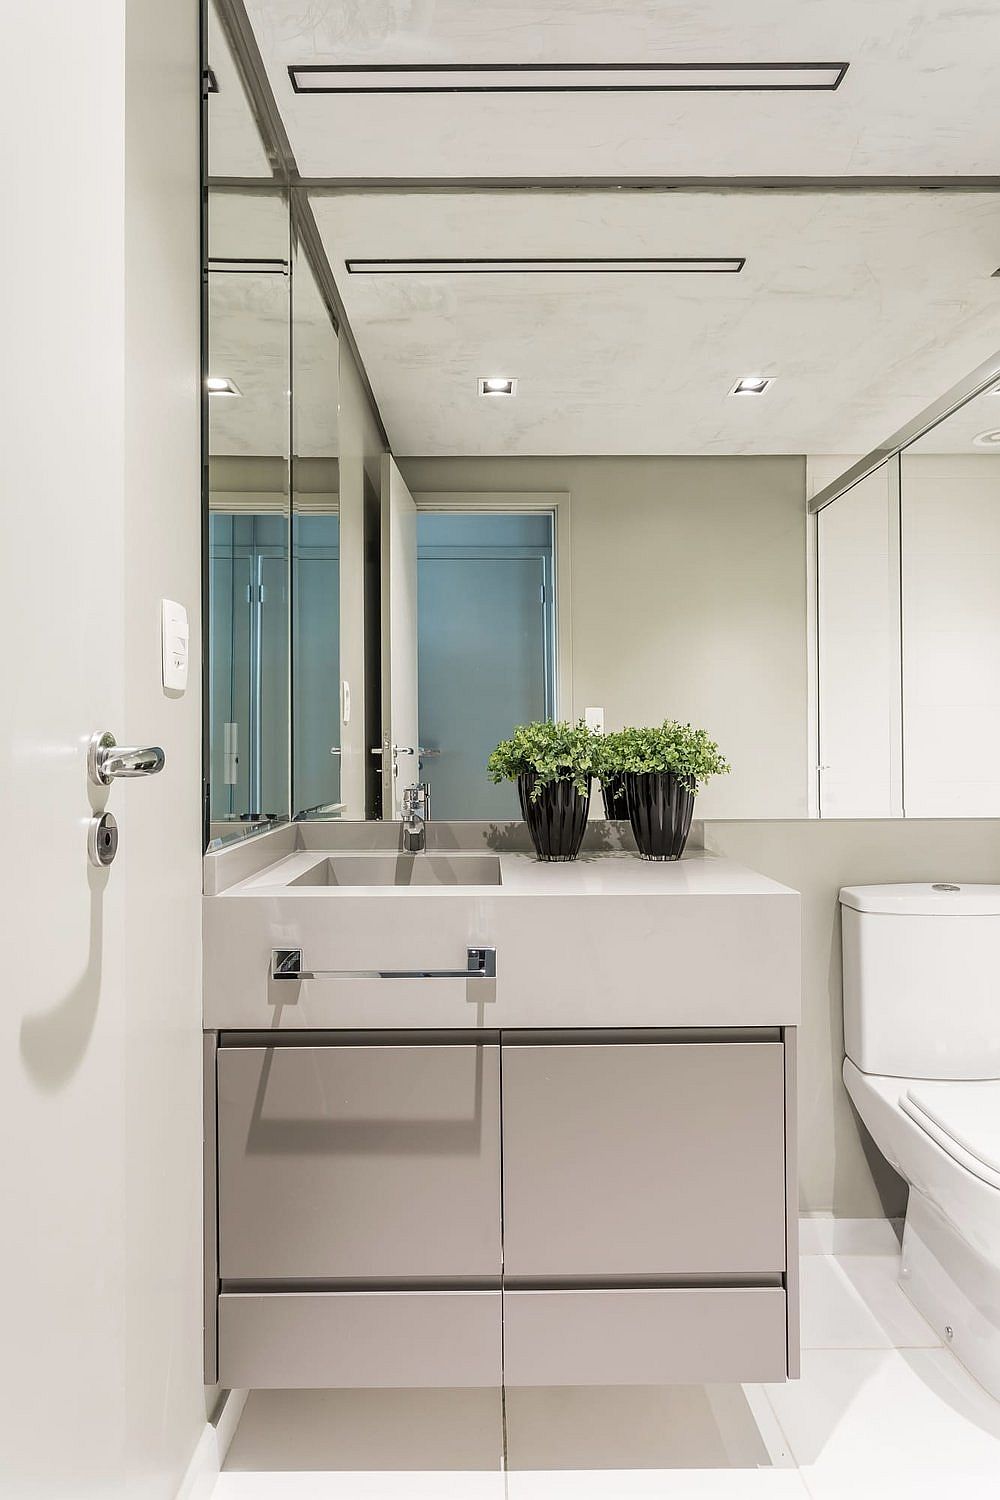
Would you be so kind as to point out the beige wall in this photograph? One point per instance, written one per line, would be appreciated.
(839, 1170)
(688, 601)
(100, 1027)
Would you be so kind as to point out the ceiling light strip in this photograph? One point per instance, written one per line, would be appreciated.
(555, 78)
(627, 265)
(247, 265)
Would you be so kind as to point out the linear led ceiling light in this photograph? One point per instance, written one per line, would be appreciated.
(534, 265)
(558, 78)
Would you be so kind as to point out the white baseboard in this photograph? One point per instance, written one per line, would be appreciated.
(822, 1234)
(213, 1445)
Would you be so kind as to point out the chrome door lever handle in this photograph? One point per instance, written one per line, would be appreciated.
(107, 760)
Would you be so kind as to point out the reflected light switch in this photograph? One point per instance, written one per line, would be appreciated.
(174, 638)
(594, 719)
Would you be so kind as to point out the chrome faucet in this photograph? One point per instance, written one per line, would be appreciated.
(416, 811)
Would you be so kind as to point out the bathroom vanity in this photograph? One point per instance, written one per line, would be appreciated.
(472, 1119)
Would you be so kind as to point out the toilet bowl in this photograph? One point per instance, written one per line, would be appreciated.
(922, 1036)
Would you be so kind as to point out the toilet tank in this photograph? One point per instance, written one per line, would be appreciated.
(922, 979)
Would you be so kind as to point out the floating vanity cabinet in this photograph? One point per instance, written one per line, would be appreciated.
(577, 1168)
(614, 1202)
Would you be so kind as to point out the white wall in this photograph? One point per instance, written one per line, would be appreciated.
(688, 601)
(100, 1046)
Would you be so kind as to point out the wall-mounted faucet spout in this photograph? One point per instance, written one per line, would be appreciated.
(416, 811)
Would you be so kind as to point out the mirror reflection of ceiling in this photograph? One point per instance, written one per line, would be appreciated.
(316, 369)
(863, 306)
(249, 335)
(234, 145)
(978, 418)
(919, 96)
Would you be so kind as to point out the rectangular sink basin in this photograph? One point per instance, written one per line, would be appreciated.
(402, 870)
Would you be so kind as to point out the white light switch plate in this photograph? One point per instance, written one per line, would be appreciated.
(594, 719)
(175, 640)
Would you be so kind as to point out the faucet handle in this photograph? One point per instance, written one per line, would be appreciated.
(417, 798)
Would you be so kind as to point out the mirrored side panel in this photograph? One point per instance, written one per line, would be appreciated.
(317, 707)
(249, 392)
(950, 561)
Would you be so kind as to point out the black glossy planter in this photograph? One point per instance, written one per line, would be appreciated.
(615, 796)
(660, 808)
(557, 820)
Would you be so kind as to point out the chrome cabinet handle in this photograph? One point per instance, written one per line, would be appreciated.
(107, 760)
(286, 963)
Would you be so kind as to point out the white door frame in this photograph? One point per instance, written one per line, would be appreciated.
(555, 503)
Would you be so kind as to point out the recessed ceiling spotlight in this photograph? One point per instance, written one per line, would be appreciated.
(989, 439)
(497, 385)
(560, 78)
(221, 385)
(751, 385)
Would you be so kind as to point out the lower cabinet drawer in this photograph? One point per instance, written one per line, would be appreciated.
(276, 1340)
(688, 1336)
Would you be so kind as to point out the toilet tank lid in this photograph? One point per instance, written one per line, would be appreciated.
(941, 898)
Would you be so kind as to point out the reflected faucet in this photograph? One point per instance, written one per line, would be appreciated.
(416, 811)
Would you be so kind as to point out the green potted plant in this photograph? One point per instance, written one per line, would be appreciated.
(552, 764)
(612, 777)
(663, 769)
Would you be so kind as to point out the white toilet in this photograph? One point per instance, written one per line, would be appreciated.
(922, 1037)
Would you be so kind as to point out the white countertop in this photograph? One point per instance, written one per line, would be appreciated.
(599, 874)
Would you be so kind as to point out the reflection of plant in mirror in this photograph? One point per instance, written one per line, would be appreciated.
(670, 746)
(549, 752)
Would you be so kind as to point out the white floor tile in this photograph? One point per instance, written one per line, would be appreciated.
(871, 1413)
(424, 1484)
(662, 1484)
(855, 1302)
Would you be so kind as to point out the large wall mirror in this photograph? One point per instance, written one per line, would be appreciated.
(448, 495)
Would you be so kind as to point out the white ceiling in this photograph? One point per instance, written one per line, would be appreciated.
(864, 307)
(919, 97)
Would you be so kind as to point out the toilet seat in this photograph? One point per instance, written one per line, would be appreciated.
(964, 1120)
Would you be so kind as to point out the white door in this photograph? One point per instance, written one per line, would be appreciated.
(400, 733)
(100, 1028)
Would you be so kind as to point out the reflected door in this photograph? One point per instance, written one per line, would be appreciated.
(400, 736)
(485, 657)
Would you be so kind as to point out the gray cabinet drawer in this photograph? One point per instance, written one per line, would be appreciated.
(347, 1162)
(654, 1159)
(690, 1335)
(277, 1340)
